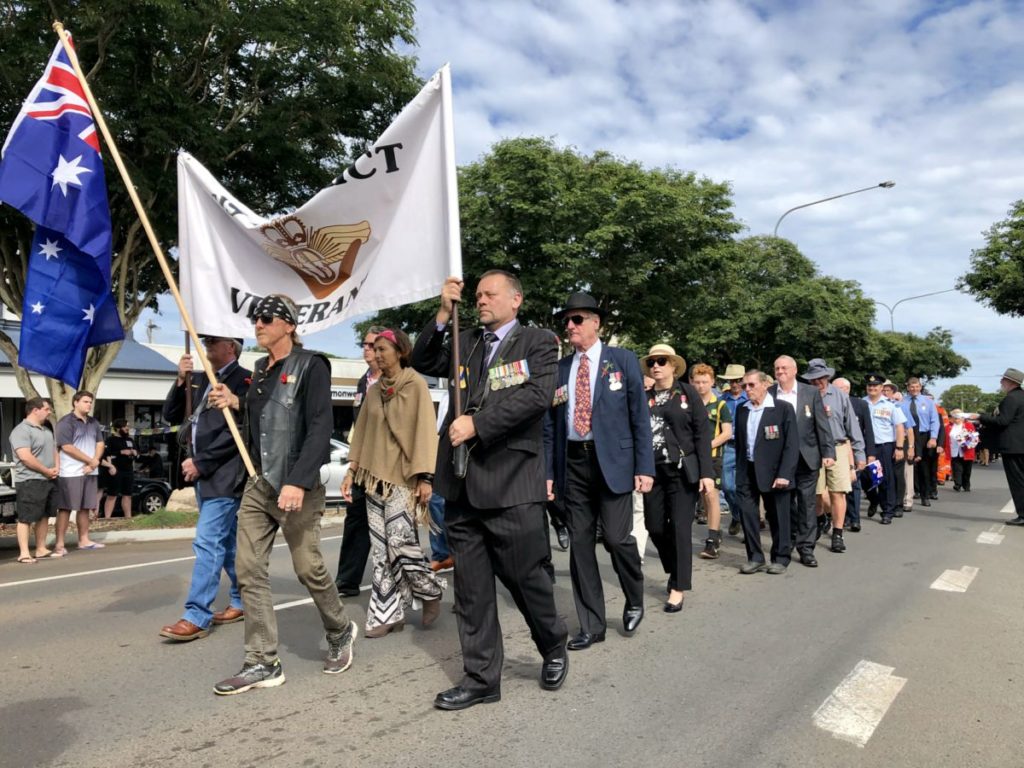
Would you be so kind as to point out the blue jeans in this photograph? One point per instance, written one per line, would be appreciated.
(729, 479)
(438, 541)
(214, 546)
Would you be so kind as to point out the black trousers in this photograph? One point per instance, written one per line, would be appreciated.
(962, 469)
(355, 543)
(668, 517)
(587, 500)
(803, 514)
(925, 481)
(900, 474)
(884, 495)
(776, 511)
(1013, 466)
(510, 544)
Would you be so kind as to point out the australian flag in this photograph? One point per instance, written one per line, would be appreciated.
(51, 170)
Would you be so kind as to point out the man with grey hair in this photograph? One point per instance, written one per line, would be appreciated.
(863, 414)
(836, 479)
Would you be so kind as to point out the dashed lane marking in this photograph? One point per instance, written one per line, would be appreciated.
(955, 581)
(121, 567)
(854, 709)
(994, 535)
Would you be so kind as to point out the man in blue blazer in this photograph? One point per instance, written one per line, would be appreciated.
(767, 453)
(599, 450)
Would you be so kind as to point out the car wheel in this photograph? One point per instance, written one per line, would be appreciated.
(152, 501)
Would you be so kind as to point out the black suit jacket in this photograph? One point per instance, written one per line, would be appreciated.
(772, 457)
(863, 412)
(689, 427)
(816, 441)
(1008, 422)
(216, 455)
(506, 458)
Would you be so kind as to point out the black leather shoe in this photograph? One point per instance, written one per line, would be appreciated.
(584, 640)
(563, 537)
(934, 496)
(553, 672)
(855, 528)
(461, 698)
(808, 559)
(872, 509)
(925, 503)
(886, 520)
(673, 607)
(1016, 521)
(348, 591)
(752, 566)
(631, 618)
(897, 512)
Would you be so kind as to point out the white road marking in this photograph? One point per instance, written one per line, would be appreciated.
(1009, 509)
(994, 535)
(854, 709)
(121, 567)
(955, 581)
(306, 601)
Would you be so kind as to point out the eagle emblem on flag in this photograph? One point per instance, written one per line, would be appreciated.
(324, 257)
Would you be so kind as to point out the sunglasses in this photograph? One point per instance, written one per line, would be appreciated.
(263, 319)
(575, 319)
(659, 361)
(208, 340)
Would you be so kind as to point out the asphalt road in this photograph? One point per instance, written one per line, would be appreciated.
(736, 679)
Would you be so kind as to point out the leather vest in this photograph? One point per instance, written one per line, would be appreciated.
(283, 420)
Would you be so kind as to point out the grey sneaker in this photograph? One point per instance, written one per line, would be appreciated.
(339, 650)
(252, 676)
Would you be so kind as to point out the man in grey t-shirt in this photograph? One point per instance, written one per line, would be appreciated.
(35, 475)
(81, 449)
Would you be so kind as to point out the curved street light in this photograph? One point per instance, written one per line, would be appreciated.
(882, 185)
(892, 309)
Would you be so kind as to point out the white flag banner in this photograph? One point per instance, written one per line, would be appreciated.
(385, 233)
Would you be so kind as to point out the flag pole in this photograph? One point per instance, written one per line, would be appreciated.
(453, 226)
(62, 33)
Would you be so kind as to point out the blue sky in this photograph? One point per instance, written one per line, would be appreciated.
(788, 102)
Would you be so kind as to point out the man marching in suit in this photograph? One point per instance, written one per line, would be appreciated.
(599, 451)
(495, 511)
(767, 452)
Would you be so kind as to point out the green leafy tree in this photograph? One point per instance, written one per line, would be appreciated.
(996, 277)
(275, 97)
(970, 398)
(563, 221)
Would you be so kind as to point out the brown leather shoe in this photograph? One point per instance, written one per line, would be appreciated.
(442, 566)
(228, 616)
(183, 631)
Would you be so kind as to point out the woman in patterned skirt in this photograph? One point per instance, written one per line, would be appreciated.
(394, 447)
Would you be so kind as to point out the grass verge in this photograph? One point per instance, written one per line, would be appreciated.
(164, 518)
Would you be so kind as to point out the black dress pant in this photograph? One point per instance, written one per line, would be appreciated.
(1013, 466)
(587, 500)
(962, 469)
(776, 512)
(510, 544)
(355, 543)
(900, 474)
(884, 495)
(668, 517)
(925, 481)
(803, 521)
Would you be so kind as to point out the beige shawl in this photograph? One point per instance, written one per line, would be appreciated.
(395, 436)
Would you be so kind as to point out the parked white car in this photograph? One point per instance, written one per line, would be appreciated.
(333, 472)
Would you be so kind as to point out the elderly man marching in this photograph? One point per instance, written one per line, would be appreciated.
(837, 478)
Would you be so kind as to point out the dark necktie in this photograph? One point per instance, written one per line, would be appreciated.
(913, 412)
(489, 339)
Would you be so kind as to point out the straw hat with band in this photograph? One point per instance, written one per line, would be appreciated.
(668, 354)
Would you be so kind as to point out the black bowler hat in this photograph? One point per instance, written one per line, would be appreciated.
(580, 301)
(873, 379)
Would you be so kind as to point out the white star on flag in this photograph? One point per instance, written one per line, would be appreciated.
(37, 308)
(50, 249)
(67, 173)
(89, 314)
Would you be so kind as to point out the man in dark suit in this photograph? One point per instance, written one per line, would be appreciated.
(494, 510)
(214, 464)
(817, 449)
(863, 414)
(355, 537)
(1008, 421)
(767, 454)
(600, 450)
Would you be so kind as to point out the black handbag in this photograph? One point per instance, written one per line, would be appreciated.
(691, 468)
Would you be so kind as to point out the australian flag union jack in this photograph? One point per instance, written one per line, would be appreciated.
(51, 170)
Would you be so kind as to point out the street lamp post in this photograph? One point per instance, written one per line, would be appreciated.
(892, 309)
(882, 185)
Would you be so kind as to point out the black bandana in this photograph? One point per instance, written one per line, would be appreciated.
(272, 306)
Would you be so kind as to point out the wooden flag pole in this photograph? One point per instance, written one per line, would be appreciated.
(62, 33)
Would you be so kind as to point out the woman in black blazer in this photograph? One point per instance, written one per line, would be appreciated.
(682, 460)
